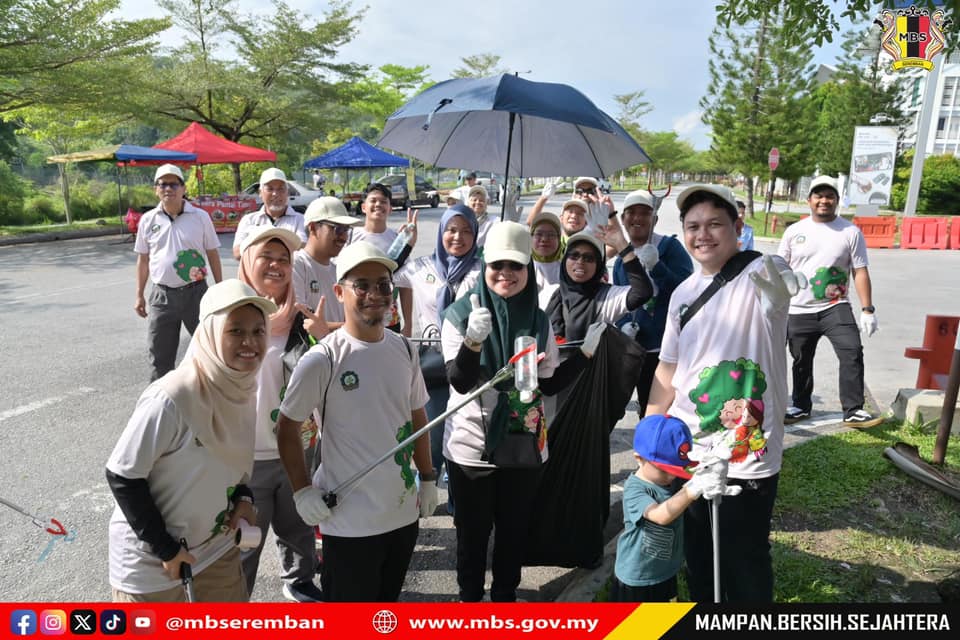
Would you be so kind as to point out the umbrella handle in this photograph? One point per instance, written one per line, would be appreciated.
(443, 103)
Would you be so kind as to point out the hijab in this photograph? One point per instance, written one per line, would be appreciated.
(218, 403)
(282, 320)
(573, 306)
(453, 269)
(518, 315)
(553, 221)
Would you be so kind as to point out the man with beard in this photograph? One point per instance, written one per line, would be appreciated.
(366, 384)
(275, 211)
(328, 230)
(668, 264)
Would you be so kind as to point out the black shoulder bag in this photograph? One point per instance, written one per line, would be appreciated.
(731, 269)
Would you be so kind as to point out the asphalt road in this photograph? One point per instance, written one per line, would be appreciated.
(74, 362)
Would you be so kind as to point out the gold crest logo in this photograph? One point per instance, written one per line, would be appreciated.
(912, 36)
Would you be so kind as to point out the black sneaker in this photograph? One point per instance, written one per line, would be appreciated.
(795, 414)
(304, 591)
(861, 420)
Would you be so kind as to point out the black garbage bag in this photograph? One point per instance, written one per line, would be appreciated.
(573, 500)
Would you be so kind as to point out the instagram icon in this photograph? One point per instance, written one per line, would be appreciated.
(53, 622)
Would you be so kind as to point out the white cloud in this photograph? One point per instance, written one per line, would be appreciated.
(688, 123)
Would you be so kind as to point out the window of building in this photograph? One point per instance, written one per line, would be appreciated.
(941, 128)
(915, 98)
(953, 131)
(949, 87)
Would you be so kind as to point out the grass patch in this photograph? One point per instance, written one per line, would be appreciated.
(52, 227)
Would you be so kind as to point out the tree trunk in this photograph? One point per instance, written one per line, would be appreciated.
(65, 190)
(237, 186)
(750, 195)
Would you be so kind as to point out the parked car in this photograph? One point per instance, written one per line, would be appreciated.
(426, 193)
(300, 195)
(492, 182)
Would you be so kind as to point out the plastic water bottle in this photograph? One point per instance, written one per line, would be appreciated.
(525, 371)
(403, 237)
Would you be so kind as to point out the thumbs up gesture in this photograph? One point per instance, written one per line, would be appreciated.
(314, 321)
(479, 322)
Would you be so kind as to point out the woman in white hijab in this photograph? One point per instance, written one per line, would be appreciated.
(180, 467)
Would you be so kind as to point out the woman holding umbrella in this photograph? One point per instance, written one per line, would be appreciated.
(493, 475)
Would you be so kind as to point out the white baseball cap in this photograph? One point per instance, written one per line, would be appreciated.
(355, 254)
(640, 196)
(229, 294)
(329, 209)
(575, 203)
(507, 241)
(585, 179)
(272, 174)
(268, 232)
(478, 189)
(824, 181)
(168, 170)
(724, 193)
(586, 236)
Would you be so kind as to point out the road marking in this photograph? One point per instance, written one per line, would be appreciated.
(47, 294)
(40, 404)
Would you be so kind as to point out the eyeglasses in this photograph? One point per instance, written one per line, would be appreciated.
(169, 185)
(546, 235)
(364, 287)
(506, 265)
(586, 258)
(339, 229)
(586, 192)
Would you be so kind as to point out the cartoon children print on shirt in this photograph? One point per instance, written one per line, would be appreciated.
(730, 396)
(527, 416)
(830, 284)
(190, 265)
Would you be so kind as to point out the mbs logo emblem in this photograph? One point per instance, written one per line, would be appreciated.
(912, 36)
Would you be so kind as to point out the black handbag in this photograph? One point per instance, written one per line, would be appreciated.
(432, 366)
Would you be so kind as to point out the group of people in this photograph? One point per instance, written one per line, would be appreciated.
(300, 377)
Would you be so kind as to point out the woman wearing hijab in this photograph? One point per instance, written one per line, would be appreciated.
(266, 265)
(478, 337)
(547, 249)
(180, 467)
(429, 285)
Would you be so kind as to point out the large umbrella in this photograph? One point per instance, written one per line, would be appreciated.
(505, 123)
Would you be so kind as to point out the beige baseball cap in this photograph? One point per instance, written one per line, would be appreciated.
(575, 203)
(329, 209)
(168, 170)
(586, 180)
(477, 189)
(586, 236)
(353, 255)
(824, 181)
(640, 196)
(229, 294)
(716, 189)
(272, 174)
(267, 232)
(507, 241)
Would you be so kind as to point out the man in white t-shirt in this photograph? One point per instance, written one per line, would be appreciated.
(276, 210)
(176, 242)
(828, 249)
(314, 274)
(728, 385)
(365, 383)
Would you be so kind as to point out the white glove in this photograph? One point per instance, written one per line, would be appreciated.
(592, 339)
(479, 322)
(777, 287)
(598, 215)
(648, 256)
(868, 323)
(310, 505)
(549, 189)
(428, 497)
(709, 480)
(714, 466)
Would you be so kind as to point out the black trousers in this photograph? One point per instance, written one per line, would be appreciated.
(501, 499)
(665, 591)
(839, 326)
(647, 371)
(746, 568)
(369, 568)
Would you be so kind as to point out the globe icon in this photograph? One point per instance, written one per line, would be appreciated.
(384, 621)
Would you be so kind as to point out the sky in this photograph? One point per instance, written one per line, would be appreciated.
(602, 47)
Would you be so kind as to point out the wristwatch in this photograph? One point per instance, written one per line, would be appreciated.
(431, 476)
(869, 308)
(471, 344)
(627, 250)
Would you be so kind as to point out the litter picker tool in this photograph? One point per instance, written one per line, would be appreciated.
(657, 200)
(186, 576)
(332, 497)
(57, 529)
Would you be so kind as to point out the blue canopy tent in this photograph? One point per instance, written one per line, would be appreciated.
(121, 154)
(355, 153)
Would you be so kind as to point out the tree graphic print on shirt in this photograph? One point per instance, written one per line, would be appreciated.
(190, 265)
(829, 283)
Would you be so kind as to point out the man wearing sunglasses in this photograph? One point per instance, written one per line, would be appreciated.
(366, 384)
(176, 242)
(276, 210)
(314, 275)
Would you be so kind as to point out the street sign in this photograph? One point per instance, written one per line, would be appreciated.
(774, 158)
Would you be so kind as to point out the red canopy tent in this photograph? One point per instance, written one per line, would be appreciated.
(212, 149)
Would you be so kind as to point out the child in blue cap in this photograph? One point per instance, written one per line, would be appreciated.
(650, 549)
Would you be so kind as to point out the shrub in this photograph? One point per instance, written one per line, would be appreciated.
(42, 208)
(938, 189)
(12, 190)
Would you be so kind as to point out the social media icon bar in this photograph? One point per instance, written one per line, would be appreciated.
(113, 622)
(23, 622)
(143, 622)
(53, 622)
(83, 622)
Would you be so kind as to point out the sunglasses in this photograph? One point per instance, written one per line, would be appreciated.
(586, 258)
(506, 265)
(586, 192)
(169, 185)
(339, 229)
(363, 287)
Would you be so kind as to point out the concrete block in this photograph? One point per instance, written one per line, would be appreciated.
(923, 405)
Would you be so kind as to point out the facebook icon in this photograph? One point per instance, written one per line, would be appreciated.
(23, 622)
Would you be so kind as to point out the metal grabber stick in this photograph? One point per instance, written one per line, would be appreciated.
(715, 533)
(331, 498)
(186, 576)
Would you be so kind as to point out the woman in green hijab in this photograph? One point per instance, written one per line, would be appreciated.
(496, 444)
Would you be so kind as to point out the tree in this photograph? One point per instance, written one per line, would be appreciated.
(283, 82)
(758, 98)
(632, 108)
(667, 151)
(852, 98)
(51, 48)
(938, 186)
(375, 98)
(480, 65)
